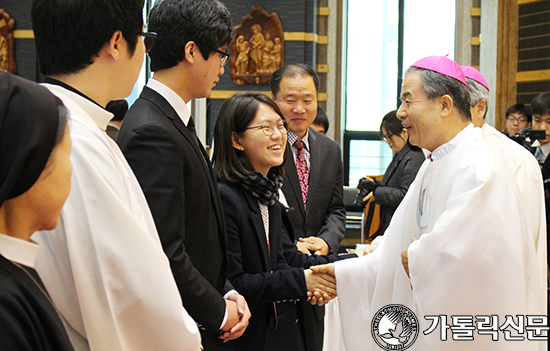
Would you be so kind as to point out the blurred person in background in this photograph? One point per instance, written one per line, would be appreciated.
(400, 173)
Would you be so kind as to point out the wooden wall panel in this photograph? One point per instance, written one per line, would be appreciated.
(507, 60)
(533, 70)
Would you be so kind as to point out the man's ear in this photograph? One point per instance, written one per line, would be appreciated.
(235, 141)
(114, 45)
(447, 105)
(482, 107)
(190, 52)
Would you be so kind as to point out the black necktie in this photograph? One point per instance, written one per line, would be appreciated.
(191, 125)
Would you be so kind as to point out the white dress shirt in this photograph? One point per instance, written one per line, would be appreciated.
(173, 99)
(104, 265)
(307, 155)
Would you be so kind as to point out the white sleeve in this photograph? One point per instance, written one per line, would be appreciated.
(104, 266)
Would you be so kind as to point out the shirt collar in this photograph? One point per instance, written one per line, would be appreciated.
(450, 146)
(173, 99)
(293, 137)
(544, 148)
(17, 250)
(99, 115)
(53, 81)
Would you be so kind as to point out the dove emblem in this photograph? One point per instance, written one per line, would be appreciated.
(395, 327)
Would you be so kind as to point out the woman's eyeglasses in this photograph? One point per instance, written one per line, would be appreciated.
(269, 128)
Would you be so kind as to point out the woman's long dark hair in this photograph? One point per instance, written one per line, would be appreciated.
(393, 126)
(232, 165)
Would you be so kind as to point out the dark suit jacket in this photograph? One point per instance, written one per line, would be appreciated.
(258, 271)
(396, 181)
(293, 328)
(178, 181)
(326, 213)
(325, 216)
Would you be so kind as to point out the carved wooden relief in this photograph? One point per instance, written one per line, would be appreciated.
(7, 49)
(257, 48)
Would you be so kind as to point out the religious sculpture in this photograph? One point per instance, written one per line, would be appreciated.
(243, 48)
(258, 48)
(7, 50)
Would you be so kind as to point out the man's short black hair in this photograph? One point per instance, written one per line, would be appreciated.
(205, 22)
(321, 119)
(69, 34)
(118, 108)
(521, 109)
(293, 71)
(541, 104)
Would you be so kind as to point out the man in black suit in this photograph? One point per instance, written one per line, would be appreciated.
(159, 141)
(312, 182)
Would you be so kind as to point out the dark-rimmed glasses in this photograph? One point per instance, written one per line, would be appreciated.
(225, 56)
(519, 119)
(148, 39)
(269, 128)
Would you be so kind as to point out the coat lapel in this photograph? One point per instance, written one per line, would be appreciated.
(154, 97)
(316, 150)
(294, 182)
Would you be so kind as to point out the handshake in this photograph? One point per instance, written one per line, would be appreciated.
(321, 284)
(321, 280)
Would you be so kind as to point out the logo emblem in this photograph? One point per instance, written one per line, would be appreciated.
(394, 327)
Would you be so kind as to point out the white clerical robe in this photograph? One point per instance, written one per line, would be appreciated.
(526, 171)
(475, 255)
(104, 266)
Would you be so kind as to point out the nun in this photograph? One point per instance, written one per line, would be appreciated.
(35, 173)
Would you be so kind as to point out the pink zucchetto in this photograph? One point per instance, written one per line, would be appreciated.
(474, 74)
(443, 65)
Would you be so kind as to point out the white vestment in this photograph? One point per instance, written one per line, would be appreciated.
(104, 266)
(475, 255)
(526, 171)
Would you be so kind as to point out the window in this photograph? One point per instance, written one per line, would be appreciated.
(383, 38)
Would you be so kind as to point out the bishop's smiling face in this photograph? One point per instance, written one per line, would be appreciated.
(418, 114)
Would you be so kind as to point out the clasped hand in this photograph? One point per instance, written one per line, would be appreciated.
(237, 319)
(313, 244)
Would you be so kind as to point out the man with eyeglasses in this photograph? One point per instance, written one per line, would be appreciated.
(159, 141)
(518, 116)
(104, 266)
